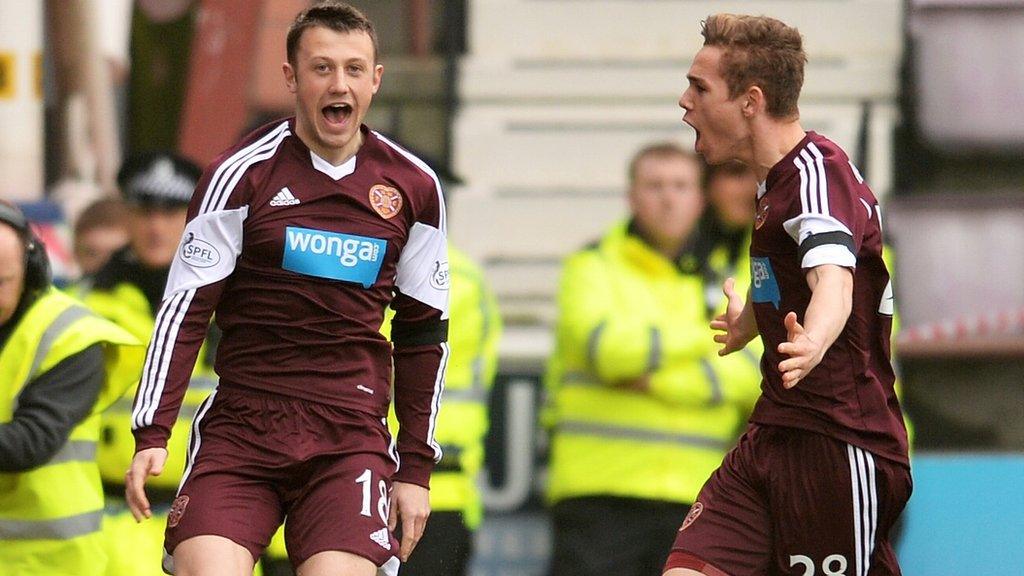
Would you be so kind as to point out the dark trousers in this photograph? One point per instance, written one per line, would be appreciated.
(444, 550)
(602, 535)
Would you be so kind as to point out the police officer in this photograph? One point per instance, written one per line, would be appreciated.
(641, 408)
(127, 290)
(60, 366)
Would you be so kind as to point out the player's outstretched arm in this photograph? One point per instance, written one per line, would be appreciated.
(830, 306)
(737, 323)
(146, 463)
(411, 505)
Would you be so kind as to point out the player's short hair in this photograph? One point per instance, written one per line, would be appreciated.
(759, 51)
(662, 150)
(103, 213)
(337, 16)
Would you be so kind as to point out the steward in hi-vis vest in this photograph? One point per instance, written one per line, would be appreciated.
(60, 366)
(640, 408)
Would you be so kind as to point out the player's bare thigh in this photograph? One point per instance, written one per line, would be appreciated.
(336, 563)
(210, 555)
(683, 572)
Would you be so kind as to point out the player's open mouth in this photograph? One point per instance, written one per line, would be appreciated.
(337, 114)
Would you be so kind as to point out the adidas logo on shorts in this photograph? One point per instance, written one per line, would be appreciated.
(382, 537)
(284, 198)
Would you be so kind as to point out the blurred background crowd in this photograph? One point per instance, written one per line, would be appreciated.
(569, 184)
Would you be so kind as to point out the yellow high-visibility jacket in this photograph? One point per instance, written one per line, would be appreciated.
(50, 516)
(126, 306)
(474, 329)
(640, 405)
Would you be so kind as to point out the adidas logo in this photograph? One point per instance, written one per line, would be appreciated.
(382, 537)
(284, 198)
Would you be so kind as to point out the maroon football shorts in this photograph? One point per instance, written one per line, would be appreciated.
(792, 502)
(255, 459)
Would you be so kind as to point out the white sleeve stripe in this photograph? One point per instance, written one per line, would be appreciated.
(804, 208)
(155, 371)
(234, 173)
(813, 203)
(435, 402)
(442, 221)
(165, 361)
(215, 187)
(257, 157)
(819, 162)
(813, 183)
(153, 351)
(392, 445)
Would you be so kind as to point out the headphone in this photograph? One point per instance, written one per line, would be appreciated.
(37, 265)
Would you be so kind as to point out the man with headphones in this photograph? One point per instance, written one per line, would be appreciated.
(60, 366)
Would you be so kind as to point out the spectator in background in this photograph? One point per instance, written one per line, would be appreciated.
(100, 230)
(60, 366)
(156, 188)
(642, 410)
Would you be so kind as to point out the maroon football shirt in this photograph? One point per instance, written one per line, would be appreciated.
(814, 208)
(298, 259)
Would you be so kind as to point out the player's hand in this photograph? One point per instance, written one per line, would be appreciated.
(803, 351)
(146, 463)
(410, 503)
(737, 328)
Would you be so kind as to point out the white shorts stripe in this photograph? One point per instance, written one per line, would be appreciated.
(195, 438)
(865, 506)
(874, 503)
(855, 488)
(865, 509)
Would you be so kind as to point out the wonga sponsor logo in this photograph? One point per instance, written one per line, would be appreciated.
(766, 288)
(333, 255)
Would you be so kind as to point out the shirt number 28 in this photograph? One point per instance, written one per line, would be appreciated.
(834, 565)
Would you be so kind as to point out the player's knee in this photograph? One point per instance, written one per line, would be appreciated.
(683, 572)
(334, 562)
(209, 555)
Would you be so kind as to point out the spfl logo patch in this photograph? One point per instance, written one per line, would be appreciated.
(198, 253)
(177, 511)
(333, 255)
(766, 288)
